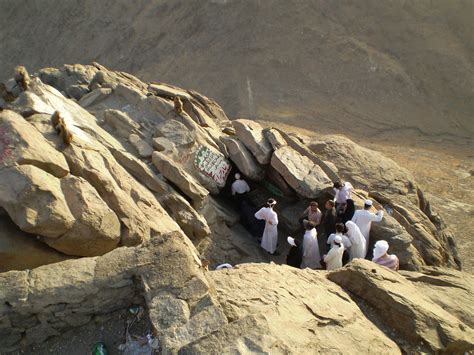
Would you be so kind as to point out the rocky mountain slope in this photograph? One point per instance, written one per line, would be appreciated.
(131, 178)
(363, 68)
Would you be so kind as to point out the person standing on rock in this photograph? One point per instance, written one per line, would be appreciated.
(311, 255)
(364, 218)
(333, 259)
(358, 247)
(343, 192)
(344, 239)
(312, 214)
(381, 256)
(239, 187)
(295, 255)
(270, 233)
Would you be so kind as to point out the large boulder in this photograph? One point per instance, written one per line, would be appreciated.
(179, 177)
(364, 167)
(96, 230)
(307, 178)
(139, 211)
(252, 135)
(317, 315)
(176, 132)
(35, 201)
(244, 160)
(22, 143)
(427, 326)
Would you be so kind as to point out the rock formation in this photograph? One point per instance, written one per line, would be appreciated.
(141, 174)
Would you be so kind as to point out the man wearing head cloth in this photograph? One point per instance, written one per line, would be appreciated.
(270, 233)
(364, 218)
(381, 256)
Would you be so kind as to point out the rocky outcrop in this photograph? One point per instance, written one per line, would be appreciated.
(365, 168)
(307, 178)
(96, 229)
(194, 152)
(47, 213)
(20, 250)
(251, 134)
(22, 144)
(244, 160)
(401, 306)
(317, 314)
(180, 178)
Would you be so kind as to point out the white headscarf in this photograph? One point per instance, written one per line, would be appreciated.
(224, 266)
(353, 232)
(271, 202)
(291, 241)
(380, 248)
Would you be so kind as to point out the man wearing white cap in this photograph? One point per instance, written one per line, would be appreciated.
(270, 233)
(333, 259)
(239, 186)
(381, 256)
(364, 218)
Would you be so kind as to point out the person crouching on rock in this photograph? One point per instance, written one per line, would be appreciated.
(381, 256)
(295, 255)
(270, 233)
(333, 259)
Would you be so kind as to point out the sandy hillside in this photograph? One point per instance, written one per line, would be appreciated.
(402, 67)
(393, 75)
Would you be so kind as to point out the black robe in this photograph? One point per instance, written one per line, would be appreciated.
(295, 255)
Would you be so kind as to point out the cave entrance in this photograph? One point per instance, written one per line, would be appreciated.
(246, 234)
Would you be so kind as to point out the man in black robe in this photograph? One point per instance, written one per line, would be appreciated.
(295, 255)
(328, 225)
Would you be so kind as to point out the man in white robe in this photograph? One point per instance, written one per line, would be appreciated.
(358, 247)
(364, 218)
(311, 255)
(333, 259)
(239, 186)
(342, 191)
(270, 233)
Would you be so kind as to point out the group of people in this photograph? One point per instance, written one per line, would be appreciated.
(332, 237)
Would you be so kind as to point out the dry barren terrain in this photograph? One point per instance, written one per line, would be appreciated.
(396, 75)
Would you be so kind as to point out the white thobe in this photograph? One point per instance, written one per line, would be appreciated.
(345, 240)
(333, 259)
(240, 187)
(358, 248)
(364, 219)
(311, 256)
(270, 233)
(344, 193)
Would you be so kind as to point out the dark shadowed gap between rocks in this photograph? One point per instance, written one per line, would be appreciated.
(289, 209)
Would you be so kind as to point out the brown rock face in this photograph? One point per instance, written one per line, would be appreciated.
(251, 134)
(404, 307)
(288, 310)
(96, 229)
(20, 250)
(34, 201)
(22, 144)
(307, 178)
